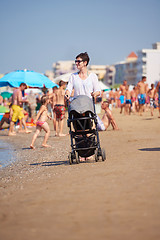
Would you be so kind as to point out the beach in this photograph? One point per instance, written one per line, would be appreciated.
(43, 197)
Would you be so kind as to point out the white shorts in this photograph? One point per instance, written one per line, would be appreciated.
(100, 124)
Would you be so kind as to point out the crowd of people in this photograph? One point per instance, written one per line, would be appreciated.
(137, 100)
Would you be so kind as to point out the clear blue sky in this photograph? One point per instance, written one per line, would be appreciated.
(36, 33)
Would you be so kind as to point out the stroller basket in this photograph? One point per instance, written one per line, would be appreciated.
(81, 122)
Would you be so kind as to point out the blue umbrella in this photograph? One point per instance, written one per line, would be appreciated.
(31, 78)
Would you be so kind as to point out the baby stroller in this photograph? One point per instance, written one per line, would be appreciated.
(82, 121)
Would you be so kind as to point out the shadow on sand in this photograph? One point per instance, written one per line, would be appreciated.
(150, 149)
(48, 164)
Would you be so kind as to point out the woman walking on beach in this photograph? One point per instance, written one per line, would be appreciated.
(83, 82)
(41, 123)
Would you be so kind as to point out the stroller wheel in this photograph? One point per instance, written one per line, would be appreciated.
(77, 158)
(96, 156)
(70, 158)
(103, 155)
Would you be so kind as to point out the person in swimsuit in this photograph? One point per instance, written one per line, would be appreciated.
(17, 103)
(122, 89)
(151, 98)
(112, 96)
(59, 108)
(128, 102)
(142, 87)
(52, 98)
(133, 99)
(107, 118)
(6, 117)
(41, 123)
(157, 90)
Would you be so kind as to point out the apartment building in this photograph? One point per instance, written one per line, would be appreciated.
(148, 64)
(62, 67)
(127, 70)
(119, 72)
(131, 68)
(109, 78)
(100, 70)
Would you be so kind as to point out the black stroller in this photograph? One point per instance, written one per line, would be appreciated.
(82, 121)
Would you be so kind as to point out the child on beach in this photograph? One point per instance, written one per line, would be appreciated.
(41, 123)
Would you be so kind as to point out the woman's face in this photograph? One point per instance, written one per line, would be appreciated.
(79, 63)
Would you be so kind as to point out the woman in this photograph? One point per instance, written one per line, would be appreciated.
(83, 82)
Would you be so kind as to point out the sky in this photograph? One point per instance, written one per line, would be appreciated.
(36, 33)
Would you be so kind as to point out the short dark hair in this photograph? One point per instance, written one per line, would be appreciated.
(23, 84)
(54, 87)
(61, 83)
(84, 57)
(44, 98)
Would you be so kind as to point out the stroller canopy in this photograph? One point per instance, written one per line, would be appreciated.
(81, 104)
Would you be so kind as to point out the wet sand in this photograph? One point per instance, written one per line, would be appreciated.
(43, 197)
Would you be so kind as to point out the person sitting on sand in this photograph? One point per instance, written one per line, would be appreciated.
(41, 123)
(107, 118)
(6, 117)
(59, 108)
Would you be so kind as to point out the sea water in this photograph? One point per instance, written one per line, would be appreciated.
(6, 154)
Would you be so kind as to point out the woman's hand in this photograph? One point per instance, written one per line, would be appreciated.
(95, 94)
(66, 97)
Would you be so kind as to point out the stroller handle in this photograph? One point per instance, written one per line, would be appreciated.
(94, 105)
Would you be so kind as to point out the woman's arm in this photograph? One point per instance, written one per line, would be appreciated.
(69, 88)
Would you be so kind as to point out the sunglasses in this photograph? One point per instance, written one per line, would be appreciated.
(78, 61)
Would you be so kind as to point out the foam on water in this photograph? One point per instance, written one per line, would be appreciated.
(6, 154)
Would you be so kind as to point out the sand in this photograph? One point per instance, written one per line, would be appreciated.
(43, 197)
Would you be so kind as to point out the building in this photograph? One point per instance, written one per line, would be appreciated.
(62, 67)
(49, 74)
(131, 68)
(100, 70)
(119, 72)
(127, 70)
(110, 75)
(149, 64)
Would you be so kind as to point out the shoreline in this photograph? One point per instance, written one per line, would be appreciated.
(6, 154)
(42, 196)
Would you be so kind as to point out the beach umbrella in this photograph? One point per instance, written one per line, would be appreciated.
(103, 86)
(6, 94)
(3, 109)
(64, 77)
(31, 78)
